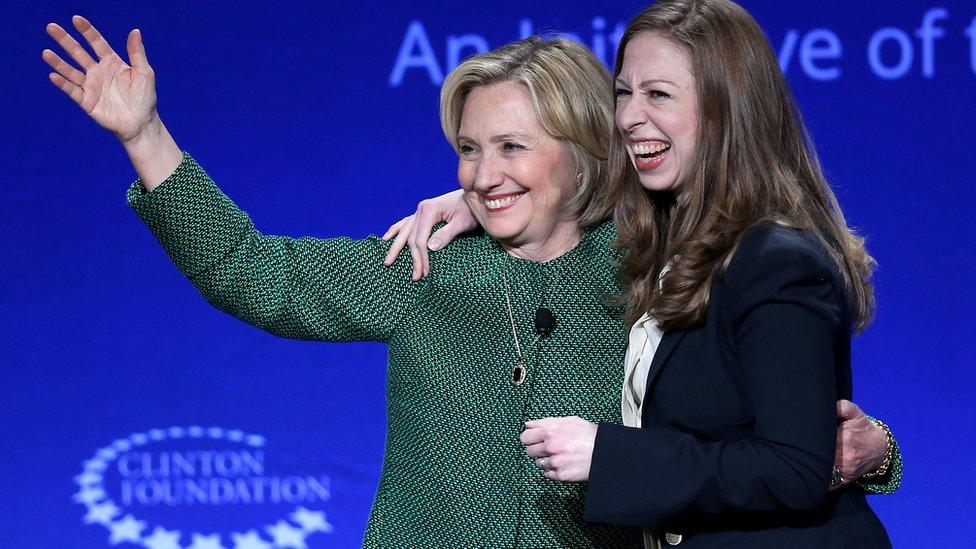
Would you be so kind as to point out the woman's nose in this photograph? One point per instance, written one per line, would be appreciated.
(488, 175)
(630, 116)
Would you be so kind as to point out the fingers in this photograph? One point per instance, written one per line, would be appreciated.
(544, 422)
(427, 215)
(137, 50)
(421, 260)
(402, 231)
(848, 410)
(74, 92)
(445, 235)
(419, 257)
(71, 46)
(92, 36)
(848, 460)
(531, 437)
(537, 450)
(394, 228)
(398, 244)
(63, 68)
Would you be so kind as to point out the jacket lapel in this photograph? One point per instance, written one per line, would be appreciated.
(667, 346)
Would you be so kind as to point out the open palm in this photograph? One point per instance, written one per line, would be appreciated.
(119, 97)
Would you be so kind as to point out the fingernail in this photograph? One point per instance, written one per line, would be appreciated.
(434, 244)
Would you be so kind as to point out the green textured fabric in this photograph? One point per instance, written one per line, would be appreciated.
(454, 473)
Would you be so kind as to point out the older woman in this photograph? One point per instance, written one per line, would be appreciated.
(512, 327)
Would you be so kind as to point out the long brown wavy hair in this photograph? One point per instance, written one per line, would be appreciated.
(754, 162)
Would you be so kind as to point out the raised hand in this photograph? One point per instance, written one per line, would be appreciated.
(119, 97)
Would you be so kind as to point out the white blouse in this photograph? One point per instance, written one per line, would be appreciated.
(645, 337)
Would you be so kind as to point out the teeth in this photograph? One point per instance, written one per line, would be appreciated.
(501, 202)
(650, 147)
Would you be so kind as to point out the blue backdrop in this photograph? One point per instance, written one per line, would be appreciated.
(132, 410)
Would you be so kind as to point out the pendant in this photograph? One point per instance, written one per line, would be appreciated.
(519, 373)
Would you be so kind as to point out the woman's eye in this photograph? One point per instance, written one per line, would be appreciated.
(466, 149)
(509, 146)
(658, 94)
(620, 93)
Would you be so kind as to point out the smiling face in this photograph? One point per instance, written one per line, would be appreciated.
(657, 110)
(516, 177)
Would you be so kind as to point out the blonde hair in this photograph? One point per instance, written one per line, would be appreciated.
(573, 99)
(754, 162)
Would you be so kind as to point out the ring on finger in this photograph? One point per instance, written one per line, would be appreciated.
(836, 478)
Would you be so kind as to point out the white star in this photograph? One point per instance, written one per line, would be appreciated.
(157, 434)
(250, 540)
(121, 444)
(127, 529)
(162, 538)
(215, 432)
(107, 453)
(255, 440)
(311, 521)
(95, 464)
(206, 542)
(88, 478)
(235, 435)
(89, 495)
(195, 431)
(176, 432)
(101, 513)
(138, 438)
(286, 535)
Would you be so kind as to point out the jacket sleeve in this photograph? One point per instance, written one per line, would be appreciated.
(306, 288)
(787, 318)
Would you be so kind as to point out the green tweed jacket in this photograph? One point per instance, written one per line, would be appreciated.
(454, 473)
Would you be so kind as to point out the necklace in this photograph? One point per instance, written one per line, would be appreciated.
(519, 371)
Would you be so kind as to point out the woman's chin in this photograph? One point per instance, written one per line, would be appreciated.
(657, 182)
(505, 231)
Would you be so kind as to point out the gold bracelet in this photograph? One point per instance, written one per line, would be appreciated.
(882, 469)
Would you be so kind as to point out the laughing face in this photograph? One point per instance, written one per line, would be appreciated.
(516, 177)
(657, 110)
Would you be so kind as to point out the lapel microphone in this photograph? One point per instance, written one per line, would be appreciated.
(545, 321)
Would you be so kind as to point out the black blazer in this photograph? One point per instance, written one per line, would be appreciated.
(739, 419)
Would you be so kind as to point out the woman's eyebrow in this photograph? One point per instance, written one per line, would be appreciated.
(648, 82)
(508, 136)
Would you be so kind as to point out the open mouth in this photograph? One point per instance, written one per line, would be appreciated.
(500, 202)
(649, 154)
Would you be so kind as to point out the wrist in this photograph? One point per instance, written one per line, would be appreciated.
(885, 465)
(150, 133)
(153, 153)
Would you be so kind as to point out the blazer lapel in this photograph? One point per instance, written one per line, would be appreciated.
(664, 349)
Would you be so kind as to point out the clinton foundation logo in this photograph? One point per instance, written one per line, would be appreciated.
(200, 488)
